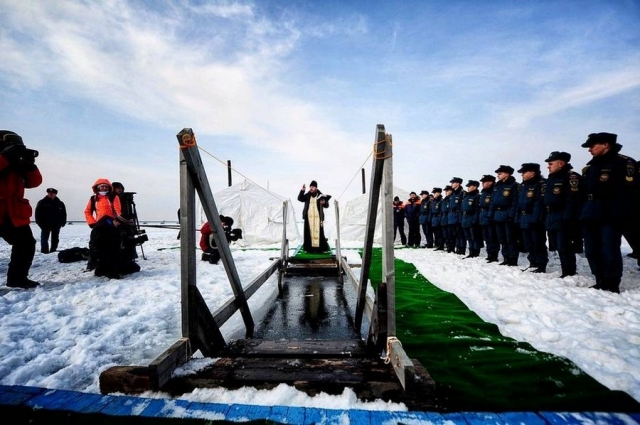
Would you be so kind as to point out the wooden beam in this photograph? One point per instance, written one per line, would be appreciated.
(223, 313)
(374, 195)
(161, 369)
(198, 177)
(402, 364)
(388, 257)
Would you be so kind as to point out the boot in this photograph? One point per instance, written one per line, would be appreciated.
(566, 273)
(513, 261)
(598, 284)
(540, 269)
(505, 262)
(611, 285)
(492, 258)
(24, 283)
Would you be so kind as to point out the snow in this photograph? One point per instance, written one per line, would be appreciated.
(64, 333)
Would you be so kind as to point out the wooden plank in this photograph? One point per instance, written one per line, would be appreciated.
(125, 379)
(297, 348)
(374, 196)
(162, 367)
(402, 365)
(228, 309)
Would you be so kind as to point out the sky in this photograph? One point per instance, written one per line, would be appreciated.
(292, 91)
(63, 334)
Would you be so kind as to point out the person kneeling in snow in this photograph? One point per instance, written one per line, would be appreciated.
(208, 242)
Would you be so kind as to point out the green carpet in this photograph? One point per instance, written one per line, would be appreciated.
(301, 254)
(476, 368)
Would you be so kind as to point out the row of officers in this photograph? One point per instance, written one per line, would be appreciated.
(590, 211)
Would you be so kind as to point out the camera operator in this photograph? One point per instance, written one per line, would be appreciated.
(208, 243)
(18, 172)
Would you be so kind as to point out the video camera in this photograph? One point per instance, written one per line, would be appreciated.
(13, 147)
(136, 236)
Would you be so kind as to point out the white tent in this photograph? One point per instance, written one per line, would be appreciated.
(353, 219)
(259, 213)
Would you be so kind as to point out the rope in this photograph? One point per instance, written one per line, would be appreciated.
(390, 339)
(188, 141)
(354, 176)
(233, 169)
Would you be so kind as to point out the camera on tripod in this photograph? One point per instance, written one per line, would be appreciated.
(136, 236)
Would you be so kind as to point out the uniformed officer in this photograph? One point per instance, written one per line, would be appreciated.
(563, 199)
(530, 217)
(609, 180)
(469, 219)
(436, 218)
(425, 218)
(398, 220)
(486, 221)
(447, 232)
(455, 214)
(412, 211)
(503, 208)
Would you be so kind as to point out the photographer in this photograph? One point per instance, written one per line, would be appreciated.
(17, 172)
(130, 233)
(208, 243)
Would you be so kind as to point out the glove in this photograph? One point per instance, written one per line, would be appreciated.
(13, 153)
(92, 225)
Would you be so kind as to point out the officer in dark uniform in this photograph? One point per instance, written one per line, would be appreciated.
(455, 214)
(398, 220)
(486, 221)
(469, 219)
(530, 217)
(412, 212)
(425, 218)
(447, 232)
(503, 209)
(610, 180)
(436, 219)
(563, 199)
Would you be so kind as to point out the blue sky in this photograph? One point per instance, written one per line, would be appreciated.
(291, 91)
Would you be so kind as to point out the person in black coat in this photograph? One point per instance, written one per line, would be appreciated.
(313, 215)
(530, 217)
(485, 220)
(412, 212)
(611, 185)
(503, 209)
(51, 216)
(563, 197)
(398, 220)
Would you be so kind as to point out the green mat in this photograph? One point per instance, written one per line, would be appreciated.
(301, 254)
(476, 368)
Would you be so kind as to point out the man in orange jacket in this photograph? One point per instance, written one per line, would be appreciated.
(103, 215)
(18, 172)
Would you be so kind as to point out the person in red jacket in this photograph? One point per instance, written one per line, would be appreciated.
(18, 172)
(104, 214)
(208, 244)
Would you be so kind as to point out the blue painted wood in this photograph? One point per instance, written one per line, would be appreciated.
(359, 417)
(528, 418)
(279, 414)
(72, 401)
(213, 411)
(17, 396)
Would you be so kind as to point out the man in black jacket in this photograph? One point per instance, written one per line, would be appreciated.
(51, 215)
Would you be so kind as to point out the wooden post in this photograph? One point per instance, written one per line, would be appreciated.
(229, 172)
(374, 195)
(198, 177)
(388, 268)
(364, 190)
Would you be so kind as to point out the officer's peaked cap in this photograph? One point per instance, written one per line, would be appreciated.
(595, 138)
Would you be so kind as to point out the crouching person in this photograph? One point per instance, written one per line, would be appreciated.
(208, 243)
(102, 213)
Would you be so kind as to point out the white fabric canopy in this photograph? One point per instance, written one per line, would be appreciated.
(259, 213)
